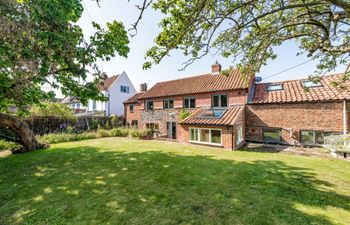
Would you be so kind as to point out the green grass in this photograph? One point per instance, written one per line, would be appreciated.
(125, 181)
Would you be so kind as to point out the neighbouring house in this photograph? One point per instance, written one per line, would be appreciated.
(227, 111)
(117, 89)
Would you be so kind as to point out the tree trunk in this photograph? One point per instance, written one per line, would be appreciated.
(25, 136)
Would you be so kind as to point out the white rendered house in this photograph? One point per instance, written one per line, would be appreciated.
(117, 88)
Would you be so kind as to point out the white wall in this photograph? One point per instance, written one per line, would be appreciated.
(116, 97)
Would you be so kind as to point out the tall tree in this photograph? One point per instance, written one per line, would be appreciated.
(247, 30)
(41, 44)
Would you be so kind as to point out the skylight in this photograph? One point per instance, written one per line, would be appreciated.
(274, 87)
(311, 84)
(212, 113)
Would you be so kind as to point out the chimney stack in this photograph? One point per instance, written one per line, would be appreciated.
(143, 87)
(216, 68)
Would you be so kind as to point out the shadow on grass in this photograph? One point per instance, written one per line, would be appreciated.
(87, 186)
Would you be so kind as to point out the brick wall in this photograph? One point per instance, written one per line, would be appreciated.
(130, 116)
(226, 135)
(236, 97)
(161, 116)
(293, 117)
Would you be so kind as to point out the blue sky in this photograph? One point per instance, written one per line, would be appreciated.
(168, 69)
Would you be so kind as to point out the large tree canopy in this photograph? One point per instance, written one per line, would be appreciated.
(41, 44)
(247, 30)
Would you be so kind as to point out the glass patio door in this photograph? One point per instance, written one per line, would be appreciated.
(171, 130)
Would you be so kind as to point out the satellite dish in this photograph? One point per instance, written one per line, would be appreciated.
(258, 79)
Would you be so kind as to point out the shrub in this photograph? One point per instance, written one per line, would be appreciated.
(184, 114)
(139, 133)
(7, 145)
(104, 133)
(107, 125)
(70, 129)
(48, 109)
(114, 121)
(119, 132)
(64, 137)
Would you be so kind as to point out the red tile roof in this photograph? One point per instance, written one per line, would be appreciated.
(108, 83)
(198, 84)
(293, 91)
(134, 98)
(228, 117)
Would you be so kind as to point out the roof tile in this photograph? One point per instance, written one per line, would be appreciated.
(198, 84)
(293, 91)
(228, 117)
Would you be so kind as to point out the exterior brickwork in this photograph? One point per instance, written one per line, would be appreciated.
(133, 116)
(291, 118)
(226, 135)
(161, 116)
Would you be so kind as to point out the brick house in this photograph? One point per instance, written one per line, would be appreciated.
(216, 103)
(225, 111)
(297, 112)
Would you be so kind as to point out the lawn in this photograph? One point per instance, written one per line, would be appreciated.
(124, 181)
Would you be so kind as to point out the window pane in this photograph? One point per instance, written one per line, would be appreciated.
(223, 100)
(216, 101)
(274, 87)
(216, 136)
(165, 104)
(204, 136)
(186, 103)
(149, 105)
(194, 134)
(320, 138)
(171, 104)
(239, 135)
(192, 103)
(307, 137)
(272, 136)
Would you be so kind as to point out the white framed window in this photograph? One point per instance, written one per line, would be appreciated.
(94, 105)
(205, 136)
(274, 87)
(311, 84)
(124, 89)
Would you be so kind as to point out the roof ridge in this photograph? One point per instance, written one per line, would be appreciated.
(192, 76)
(300, 79)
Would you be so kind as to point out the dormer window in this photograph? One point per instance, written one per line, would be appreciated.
(274, 87)
(311, 84)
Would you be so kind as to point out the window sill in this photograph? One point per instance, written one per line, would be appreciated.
(206, 143)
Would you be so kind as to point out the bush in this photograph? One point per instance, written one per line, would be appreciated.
(119, 132)
(64, 137)
(7, 145)
(70, 129)
(114, 121)
(104, 133)
(50, 109)
(184, 114)
(139, 133)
